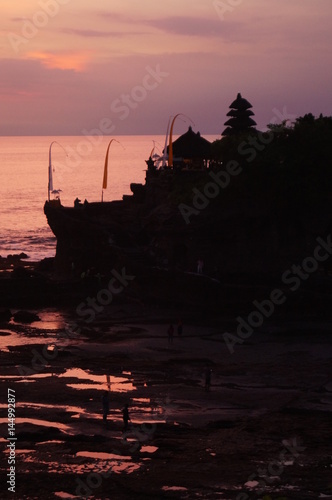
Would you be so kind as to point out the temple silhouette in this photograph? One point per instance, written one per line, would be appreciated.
(240, 121)
(191, 149)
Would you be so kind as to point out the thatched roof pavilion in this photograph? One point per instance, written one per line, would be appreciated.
(191, 145)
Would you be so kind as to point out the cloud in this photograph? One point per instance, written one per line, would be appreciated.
(118, 17)
(86, 33)
(36, 99)
(21, 78)
(18, 76)
(65, 60)
(76, 67)
(193, 26)
(189, 26)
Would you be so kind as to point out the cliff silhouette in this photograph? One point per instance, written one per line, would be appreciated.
(256, 209)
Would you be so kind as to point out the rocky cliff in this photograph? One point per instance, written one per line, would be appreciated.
(179, 217)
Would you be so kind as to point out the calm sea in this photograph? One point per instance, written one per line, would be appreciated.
(78, 166)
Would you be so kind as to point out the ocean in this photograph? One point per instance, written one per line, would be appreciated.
(78, 166)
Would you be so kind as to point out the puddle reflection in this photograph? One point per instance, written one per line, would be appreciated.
(34, 375)
(64, 495)
(42, 423)
(28, 404)
(100, 382)
(51, 320)
(50, 328)
(101, 455)
(149, 449)
(12, 339)
(174, 488)
(17, 450)
(50, 442)
(116, 467)
(111, 462)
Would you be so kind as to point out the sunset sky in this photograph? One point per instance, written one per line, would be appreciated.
(123, 66)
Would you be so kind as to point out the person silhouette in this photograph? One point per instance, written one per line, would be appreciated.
(126, 417)
(200, 265)
(170, 333)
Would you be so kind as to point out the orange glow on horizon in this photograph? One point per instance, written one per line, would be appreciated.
(76, 61)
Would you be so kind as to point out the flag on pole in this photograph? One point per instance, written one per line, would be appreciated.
(106, 165)
(50, 169)
(170, 147)
(50, 178)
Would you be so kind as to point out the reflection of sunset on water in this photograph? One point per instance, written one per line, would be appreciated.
(101, 382)
(40, 423)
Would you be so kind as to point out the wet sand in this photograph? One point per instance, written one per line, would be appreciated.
(263, 428)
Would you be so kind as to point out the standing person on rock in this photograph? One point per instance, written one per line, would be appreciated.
(125, 417)
(200, 265)
(170, 333)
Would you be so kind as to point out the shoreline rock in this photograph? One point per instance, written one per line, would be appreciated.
(25, 317)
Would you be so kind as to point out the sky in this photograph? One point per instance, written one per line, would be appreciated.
(84, 67)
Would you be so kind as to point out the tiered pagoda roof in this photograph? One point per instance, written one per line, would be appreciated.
(240, 117)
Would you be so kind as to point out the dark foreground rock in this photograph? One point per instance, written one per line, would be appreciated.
(5, 314)
(25, 317)
(262, 431)
(249, 227)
